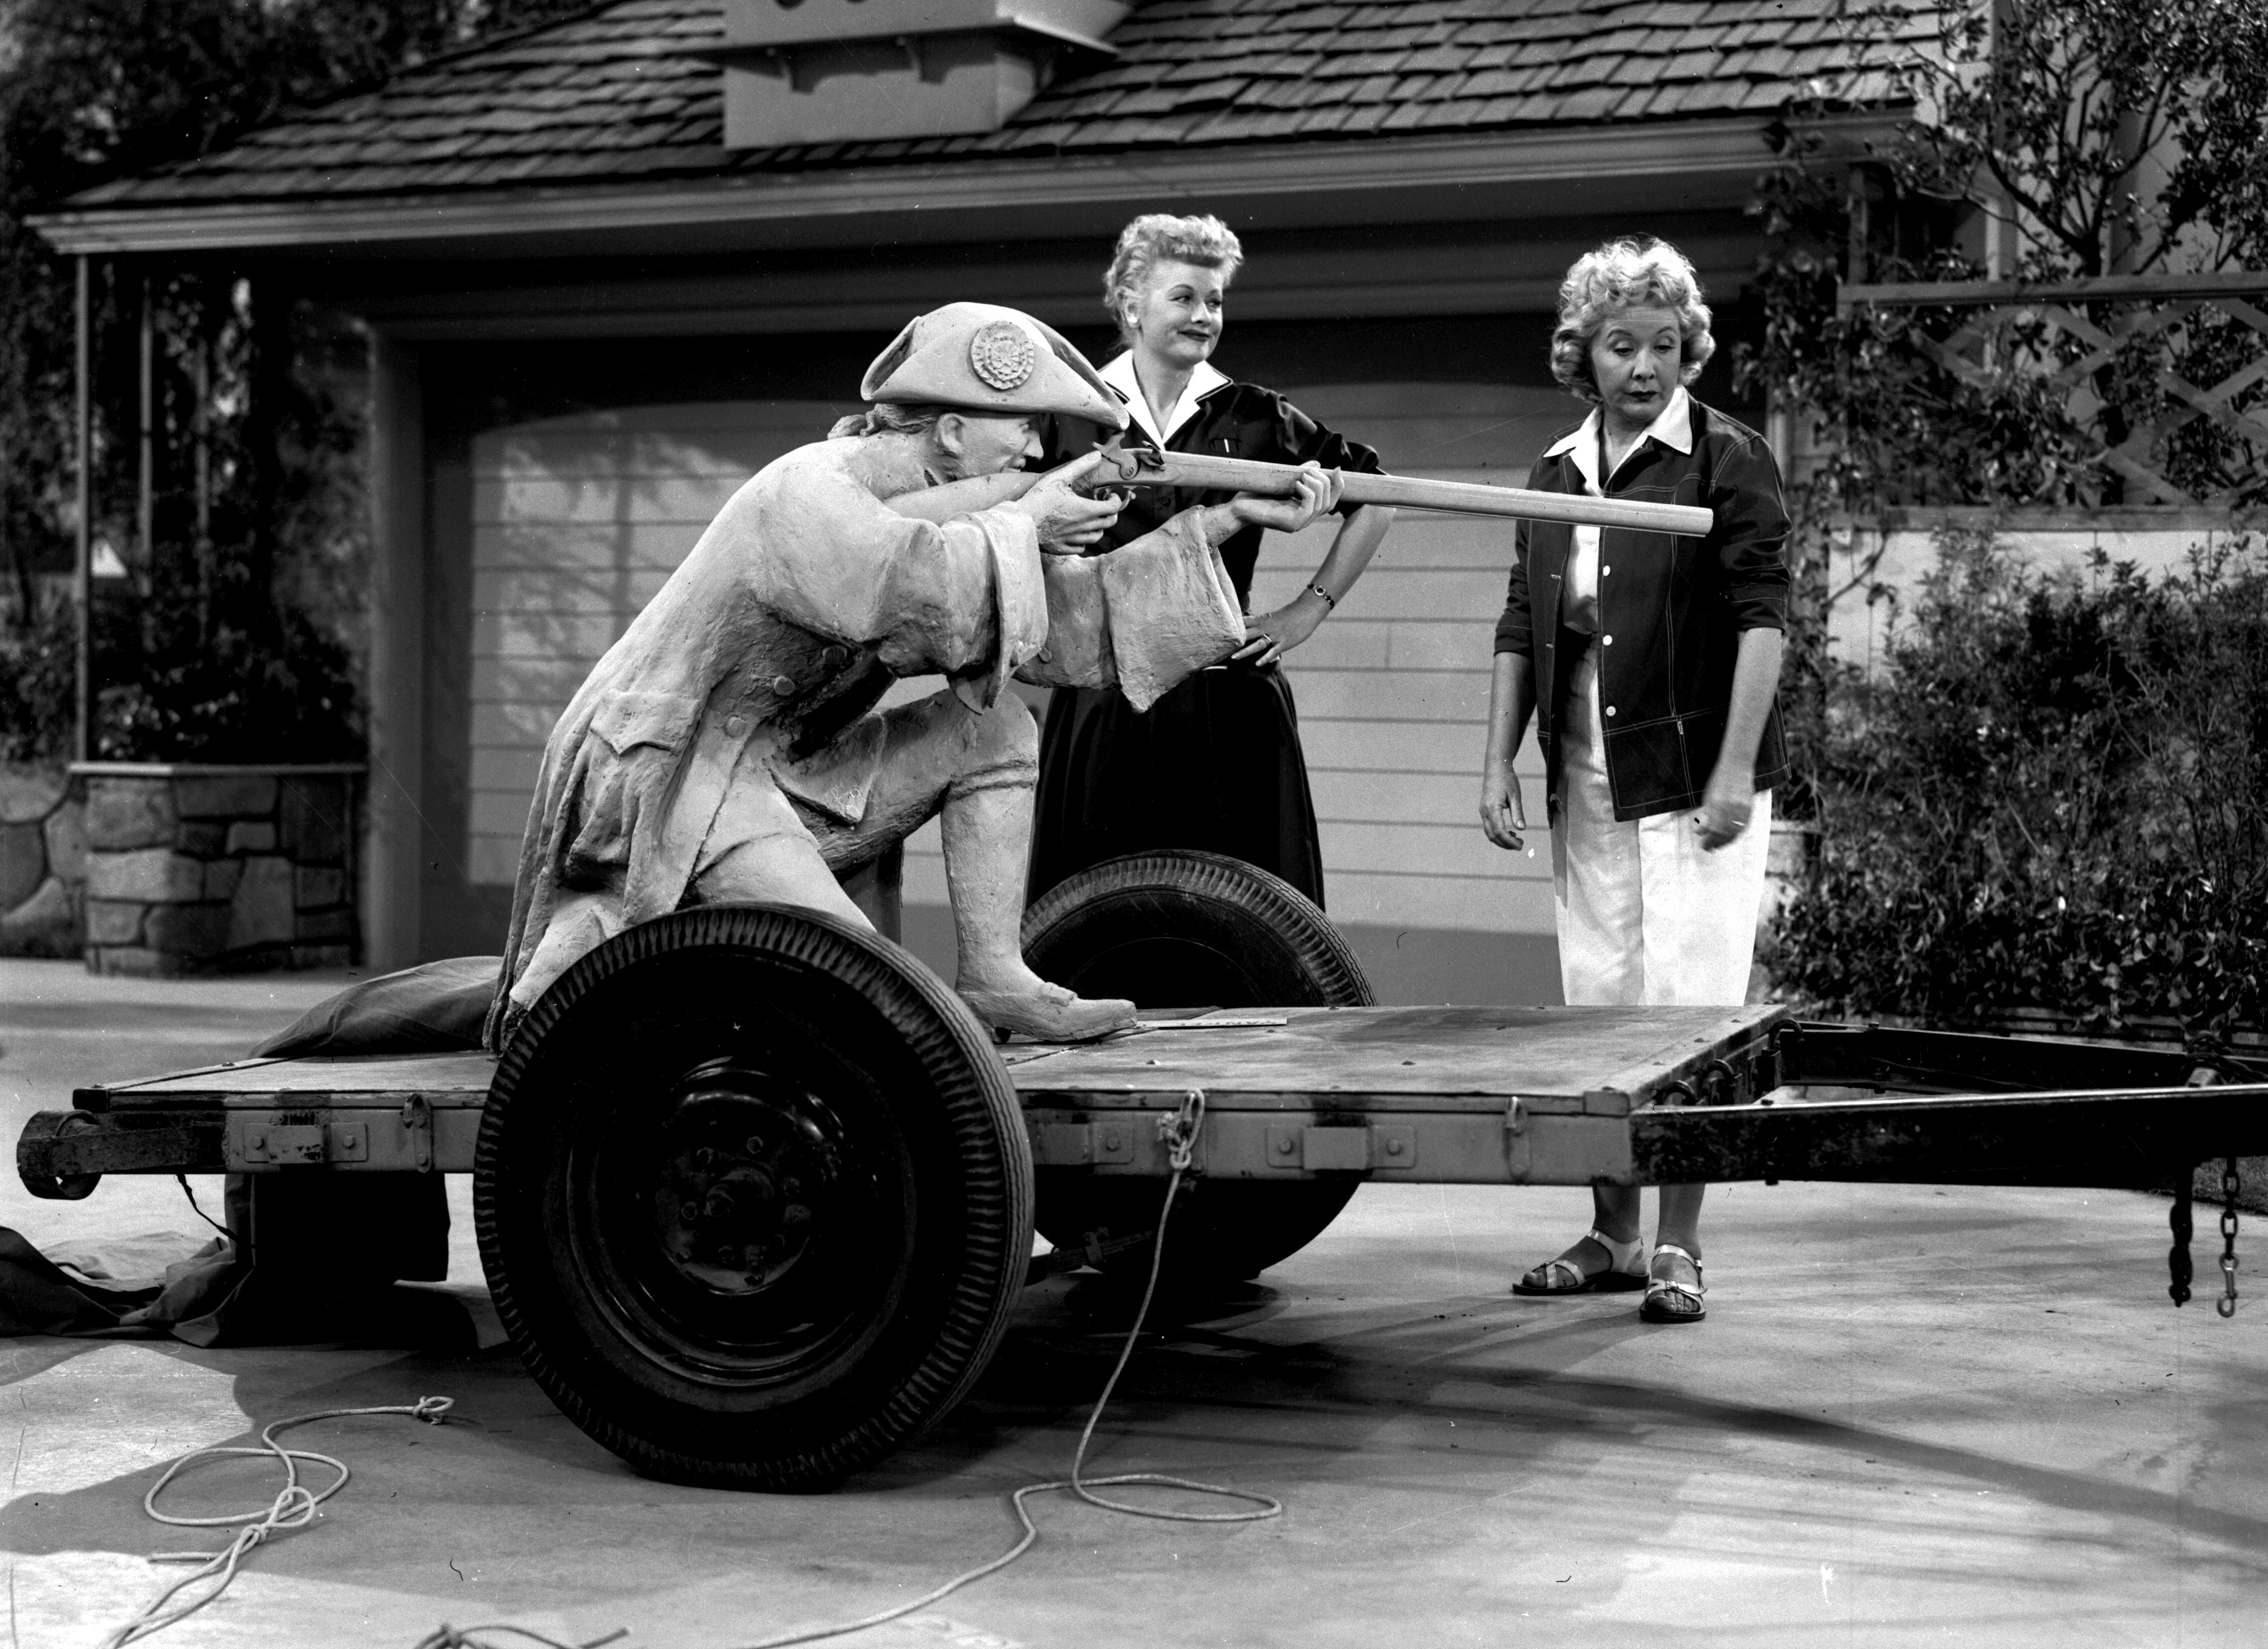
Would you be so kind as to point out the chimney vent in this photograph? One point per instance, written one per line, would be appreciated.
(811, 71)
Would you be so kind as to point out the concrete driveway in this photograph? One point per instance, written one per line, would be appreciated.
(1914, 1416)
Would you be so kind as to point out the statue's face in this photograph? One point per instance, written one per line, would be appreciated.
(1175, 317)
(974, 443)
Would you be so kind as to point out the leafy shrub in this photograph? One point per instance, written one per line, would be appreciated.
(181, 676)
(2054, 795)
(219, 676)
(37, 683)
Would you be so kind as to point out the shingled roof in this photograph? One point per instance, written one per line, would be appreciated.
(621, 95)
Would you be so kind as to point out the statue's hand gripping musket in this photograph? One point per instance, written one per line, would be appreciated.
(1146, 467)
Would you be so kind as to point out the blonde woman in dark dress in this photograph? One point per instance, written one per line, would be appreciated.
(1215, 765)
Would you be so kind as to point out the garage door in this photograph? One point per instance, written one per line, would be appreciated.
(578, 521)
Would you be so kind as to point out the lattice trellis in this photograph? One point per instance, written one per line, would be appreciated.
(2071, 338)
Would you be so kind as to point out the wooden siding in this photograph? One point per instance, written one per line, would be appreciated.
(576, 521)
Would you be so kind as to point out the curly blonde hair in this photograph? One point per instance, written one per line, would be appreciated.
(1635, 272)
(1155, 236)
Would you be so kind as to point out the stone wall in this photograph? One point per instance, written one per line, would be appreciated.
(193, 868)
(43, 860)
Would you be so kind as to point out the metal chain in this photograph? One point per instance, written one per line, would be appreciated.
(1180, 1131)
(2177, 1257)
(2229, 1186)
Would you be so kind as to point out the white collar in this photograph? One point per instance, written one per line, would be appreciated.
(1118, 373)
(1672, 426)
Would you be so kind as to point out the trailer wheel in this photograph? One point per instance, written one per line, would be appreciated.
(755, 1196)
(1191, 930)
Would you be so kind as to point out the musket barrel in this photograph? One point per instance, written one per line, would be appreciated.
(1407, 492)
(1139, 467)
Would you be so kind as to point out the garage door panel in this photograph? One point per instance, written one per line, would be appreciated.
(577, 591)
(1407, 644)
(1348, 795)
(1419, 900)
(658, 546)
(1436, 850)
(1385, 593)
(532, 680)
(1393, 695)
(1393, 746)
(532, 499)
(578, 521)
(544, 636)
(514, 724)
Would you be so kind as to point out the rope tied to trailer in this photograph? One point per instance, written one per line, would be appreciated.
(295, 1507)
(1178, 1132)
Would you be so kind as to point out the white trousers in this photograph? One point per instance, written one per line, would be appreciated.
(1647, 916)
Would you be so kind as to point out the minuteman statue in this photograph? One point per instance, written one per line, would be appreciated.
(727, 748)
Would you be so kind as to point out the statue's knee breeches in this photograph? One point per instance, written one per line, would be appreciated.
(1002, 748)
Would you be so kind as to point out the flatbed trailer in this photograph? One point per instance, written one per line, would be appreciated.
(755, 1195)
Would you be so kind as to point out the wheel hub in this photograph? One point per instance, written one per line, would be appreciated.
(746, 1169)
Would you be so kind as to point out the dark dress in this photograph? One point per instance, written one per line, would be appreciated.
(1215, 764)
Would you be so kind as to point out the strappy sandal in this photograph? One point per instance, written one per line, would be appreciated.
(1668, 1301)
(1563, 1275)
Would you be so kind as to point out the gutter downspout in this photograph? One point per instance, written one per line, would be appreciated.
(83, 577)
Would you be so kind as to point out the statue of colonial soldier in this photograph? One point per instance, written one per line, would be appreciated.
(727, 748)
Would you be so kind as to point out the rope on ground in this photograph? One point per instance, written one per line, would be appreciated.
(448, 1637)
(1180, 1132)
(295, 1507)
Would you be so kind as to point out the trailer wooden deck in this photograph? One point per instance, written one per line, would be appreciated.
(1540, 1095)
(1510, 1095)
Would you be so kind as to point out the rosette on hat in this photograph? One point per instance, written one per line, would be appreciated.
(989, 358)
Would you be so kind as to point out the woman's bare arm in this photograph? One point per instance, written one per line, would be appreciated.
(1512, 701)
(1730, 796)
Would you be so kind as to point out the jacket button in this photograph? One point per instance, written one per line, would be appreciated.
(1606, 641)
(1603, 571)
(1610, 710)
(782, 685)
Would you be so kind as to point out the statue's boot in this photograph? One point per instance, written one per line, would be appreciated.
(988, 833)
(1052, 1014)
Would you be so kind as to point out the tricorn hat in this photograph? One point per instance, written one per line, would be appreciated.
(990, 359)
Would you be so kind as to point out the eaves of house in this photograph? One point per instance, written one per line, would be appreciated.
(605, 134)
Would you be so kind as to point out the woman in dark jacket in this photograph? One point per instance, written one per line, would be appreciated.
(1215, 764)
(1649, 662)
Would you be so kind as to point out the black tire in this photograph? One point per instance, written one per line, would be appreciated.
(1176, 928)
(755, 1196)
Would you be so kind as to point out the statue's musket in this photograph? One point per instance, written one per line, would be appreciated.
(1141, 466)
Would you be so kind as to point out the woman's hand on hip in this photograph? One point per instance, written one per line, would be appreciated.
(1271, 635)
(1727, 803)
(1504, 815)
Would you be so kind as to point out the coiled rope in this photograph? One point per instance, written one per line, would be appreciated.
(294, 1507)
